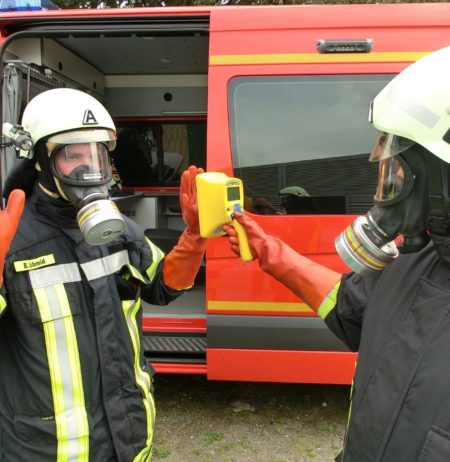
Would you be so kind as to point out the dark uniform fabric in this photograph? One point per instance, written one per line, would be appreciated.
(114, 404)
(400, 325)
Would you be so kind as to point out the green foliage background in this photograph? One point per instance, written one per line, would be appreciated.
(152, 3)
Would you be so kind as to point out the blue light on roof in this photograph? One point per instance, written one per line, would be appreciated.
(20, 5)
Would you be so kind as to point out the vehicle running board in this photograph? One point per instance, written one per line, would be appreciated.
(175, 348)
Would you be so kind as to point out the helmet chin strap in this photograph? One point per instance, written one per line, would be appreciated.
(48, 192)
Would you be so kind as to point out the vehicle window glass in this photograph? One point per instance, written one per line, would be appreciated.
(301, 143)
(155, 154)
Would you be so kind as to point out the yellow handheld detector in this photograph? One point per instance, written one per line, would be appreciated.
(218, 197)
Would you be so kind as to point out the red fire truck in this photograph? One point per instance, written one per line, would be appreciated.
(277, 96)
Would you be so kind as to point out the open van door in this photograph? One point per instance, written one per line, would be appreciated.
(149, 68)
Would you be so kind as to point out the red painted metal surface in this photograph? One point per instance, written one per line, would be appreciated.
(172, 324)
(181, 368)
(281, 366)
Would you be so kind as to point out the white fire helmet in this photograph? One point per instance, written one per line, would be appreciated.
(68, 116)
(416, 104)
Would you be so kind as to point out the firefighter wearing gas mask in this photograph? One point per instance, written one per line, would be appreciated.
(75, 384)
(70, 151)
(394, 308)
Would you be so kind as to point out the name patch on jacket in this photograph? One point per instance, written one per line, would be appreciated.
(39, 262)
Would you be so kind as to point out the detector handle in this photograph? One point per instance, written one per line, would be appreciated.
(244, 247)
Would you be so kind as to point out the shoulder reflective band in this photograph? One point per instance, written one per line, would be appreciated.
(109, 265)
(72, 430)
(157, 256)
(143, 380)
(34, 263)
(329, 302)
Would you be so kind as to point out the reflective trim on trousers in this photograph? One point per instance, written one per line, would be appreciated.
(143, 379)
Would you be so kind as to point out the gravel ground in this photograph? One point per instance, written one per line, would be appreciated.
(201, 421)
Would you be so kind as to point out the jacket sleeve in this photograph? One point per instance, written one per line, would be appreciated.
(343, 309)
(156, 292)
(146, 261)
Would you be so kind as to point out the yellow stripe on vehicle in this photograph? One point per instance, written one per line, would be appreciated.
(214, 305)
(319, 58)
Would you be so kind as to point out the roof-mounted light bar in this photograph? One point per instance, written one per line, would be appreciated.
(20, 5)
(344, 46)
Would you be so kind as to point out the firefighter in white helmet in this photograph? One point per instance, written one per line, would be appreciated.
(394, 309)
(75, 384)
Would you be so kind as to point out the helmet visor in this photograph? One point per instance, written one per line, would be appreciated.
(389, 145)
(107, 137)
(391, 179)
(82, 163)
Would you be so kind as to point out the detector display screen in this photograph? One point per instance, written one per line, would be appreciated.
(233, 194)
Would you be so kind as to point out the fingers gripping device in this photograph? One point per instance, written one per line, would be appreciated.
(218, 197)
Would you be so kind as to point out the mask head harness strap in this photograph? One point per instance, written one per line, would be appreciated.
(439, 197)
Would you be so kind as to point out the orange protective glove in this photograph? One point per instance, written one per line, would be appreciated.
(308, 280)
(9, 219)
(182, 263)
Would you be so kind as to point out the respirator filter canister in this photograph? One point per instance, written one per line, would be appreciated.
(100, 222)
(362, 249)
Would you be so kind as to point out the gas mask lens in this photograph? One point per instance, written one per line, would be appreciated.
(391, 178)
(82, 164)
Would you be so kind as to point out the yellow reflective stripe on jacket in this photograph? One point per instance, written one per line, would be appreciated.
(143, 380)
(2, 304)
(72, 430)
(157, 255)
(329, 302)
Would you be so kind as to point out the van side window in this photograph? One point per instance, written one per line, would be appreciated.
(155, 154)
(301, 143)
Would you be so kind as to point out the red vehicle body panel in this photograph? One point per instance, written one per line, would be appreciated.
(278, 40)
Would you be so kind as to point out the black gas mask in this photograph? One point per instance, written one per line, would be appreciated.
(80, 173)
(400, 208)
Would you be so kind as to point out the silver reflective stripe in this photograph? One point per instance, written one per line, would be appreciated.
(57, 274)
(109, 265)
(157, 255)
(72, 430)
(413, 108)
(105, 266)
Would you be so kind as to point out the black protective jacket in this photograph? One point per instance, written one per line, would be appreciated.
(399, 323)
(74, 385)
